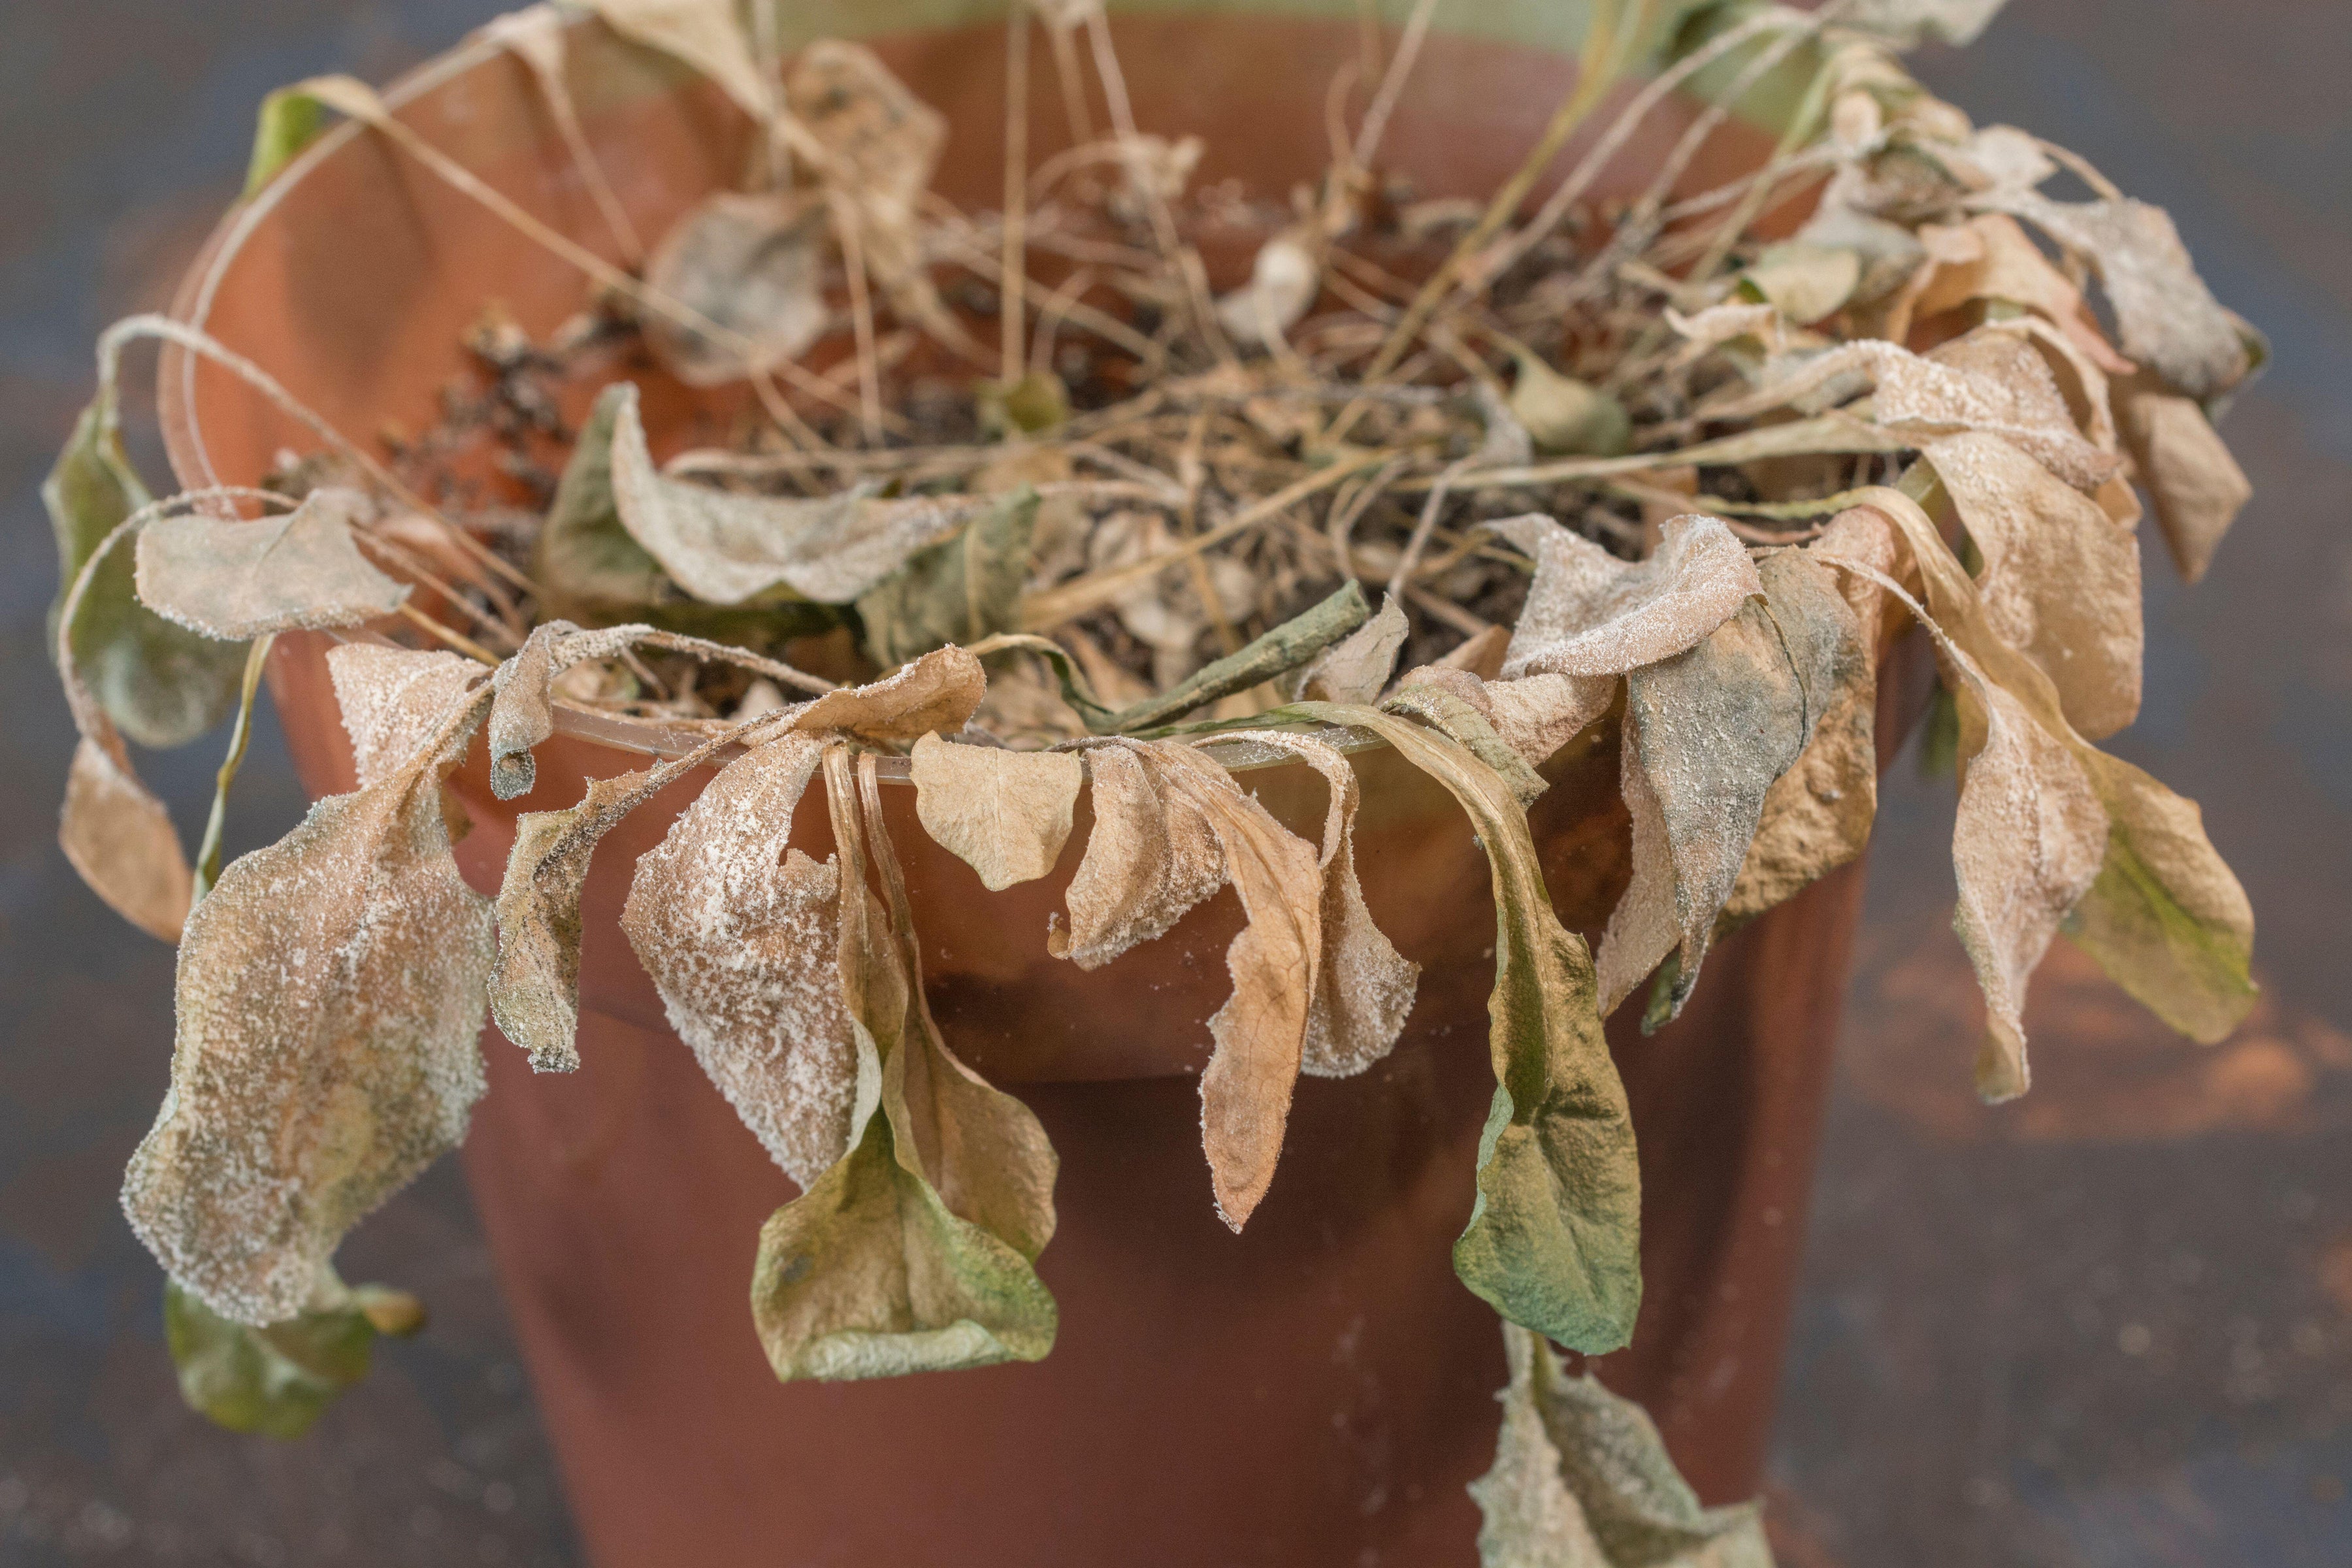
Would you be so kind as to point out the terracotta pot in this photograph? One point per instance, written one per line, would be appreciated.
(1316, 1391)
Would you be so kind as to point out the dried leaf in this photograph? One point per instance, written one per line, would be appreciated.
(162, 684)
(1149, 857)
(1357, 668)
(1554, 1239)
(390, 696)
(1462, 706)
(913, 1251)
(878, 146)
(1565, 416)
(2196, 487)
(934, 694)
(2060, 580)
(1363, 987)
(1907, 24)
(522, 712)
(1707, 733)
(277, 1381)
(330, 995)
(959, 592)
(235, 580)
(1804, 280)
(1285, 279)
(725, 549)
(585, 562)
(1990, 257)
(741, 934)
(1591, 613)
(121, 839)
(2165, 317)
(1582, 1479)
(1005, 813)
(704, 34)
(753, 264)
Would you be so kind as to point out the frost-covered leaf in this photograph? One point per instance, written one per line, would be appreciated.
(329, 992)
(2060, 580)
(2194, 485)
(753, 264)
(1564, 415)
(1462, 708)
(1005, 813)
(1582, 1479)
(1592, 614)
(725, 548)
(1279, 651)
(1363, 987)
(1707, 734)
(121, 839)
(914, 1251)
(1554, 1238)
(958, 592)
(934, 694)
(1990, 257)
(275, 1381)
(1149, 857)
(2166, 318)
(162, 684)
(740, 934)
(522, 712)
(389, 698)
(1357, 668)
(235, 580)
(1804, 280)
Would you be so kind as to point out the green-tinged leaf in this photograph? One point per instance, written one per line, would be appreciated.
(959, 592)
(1005, 813)
(1279, 651)
(1566, 416)
(1076, 691)
(1803, 280)
(1582, 1479)
(291, 119)
(162, 684)
(1035, 405)
(1708, 733)
(1433, 700)
(235, 580)
(274, 1381)
(1554, 1238)
(913, 1251)
(208, 855)
(329, 997)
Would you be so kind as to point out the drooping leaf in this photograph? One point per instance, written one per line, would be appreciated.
(1990, 257)
(2166, 318)
(913, 1252)
(329, 991)
(162, 684)
(389, 697)
(1590, 613)
(235, 580)
(753, 264)
(1707, 734)
(727, 549)
(1582, 1479)
(2060, 580)
(121, 839)
(1363, 986)
(2195, 487)
(957, 592)
(740, 934)
(707, 35)
(1150, 858)
(277, 1381)
(1005, 813)
(1357, 668)
(1554, 1239)
(523, 709)
(1463, 708)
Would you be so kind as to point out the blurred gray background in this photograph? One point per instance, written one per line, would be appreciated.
(2111, 1325)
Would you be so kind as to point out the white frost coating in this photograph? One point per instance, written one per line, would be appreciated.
(1150, 856)
(390, 697)
(741, 938)
(1591, 613)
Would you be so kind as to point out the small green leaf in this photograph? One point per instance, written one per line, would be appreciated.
(291, 119)
(957, 592)
(162, 684)
(1278, 652)
(276, 1380)
(1554, 1238)
(1032, 405)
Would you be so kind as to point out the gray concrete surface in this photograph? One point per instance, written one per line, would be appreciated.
(2110, 1325)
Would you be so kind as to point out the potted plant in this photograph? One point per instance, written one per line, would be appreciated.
(1028, 436)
